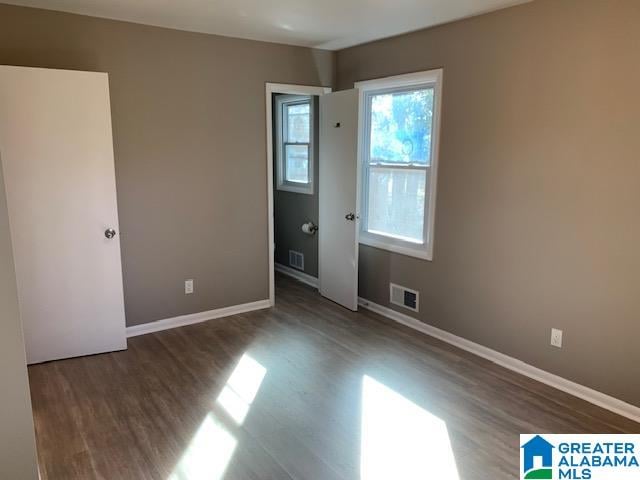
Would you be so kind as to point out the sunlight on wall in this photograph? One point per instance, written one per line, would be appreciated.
(208, 454)
(401, 440)
(241, 388)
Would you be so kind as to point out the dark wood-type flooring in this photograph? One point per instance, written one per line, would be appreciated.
(306, 390)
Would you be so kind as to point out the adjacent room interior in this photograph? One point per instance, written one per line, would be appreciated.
(338, 240)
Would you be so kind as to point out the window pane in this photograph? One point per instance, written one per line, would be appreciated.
(297, 163)
(401, 127)
(298, 123)
(396, 203)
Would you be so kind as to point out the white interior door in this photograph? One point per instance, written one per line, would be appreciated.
(57, 153)
(338, 198)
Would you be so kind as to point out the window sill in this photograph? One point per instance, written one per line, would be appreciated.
(307, 190)
(403, 249)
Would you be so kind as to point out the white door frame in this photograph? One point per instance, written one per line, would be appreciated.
(270, 89)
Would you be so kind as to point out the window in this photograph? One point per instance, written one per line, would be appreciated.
(294, 147)
(399, 128)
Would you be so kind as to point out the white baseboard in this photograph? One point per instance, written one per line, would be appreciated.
(190, 319)
(297, 274)
(585, 393)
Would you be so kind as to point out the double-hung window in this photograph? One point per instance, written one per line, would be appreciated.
(399, 133)
(294, 143)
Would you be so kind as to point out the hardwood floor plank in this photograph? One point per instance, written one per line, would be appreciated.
(280, 394)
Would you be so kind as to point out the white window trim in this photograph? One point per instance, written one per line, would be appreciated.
(282, 183)
(424, 250)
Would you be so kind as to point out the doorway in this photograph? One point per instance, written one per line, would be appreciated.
(312, 180)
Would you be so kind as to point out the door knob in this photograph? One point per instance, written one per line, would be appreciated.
(350, 216)
(109, 233)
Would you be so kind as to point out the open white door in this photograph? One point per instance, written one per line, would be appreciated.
(57, 152)
(338, 187)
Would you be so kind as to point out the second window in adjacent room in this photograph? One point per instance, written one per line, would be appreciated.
(294, 148)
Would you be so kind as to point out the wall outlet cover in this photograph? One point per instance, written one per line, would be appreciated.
(188, 287)
(556, 337)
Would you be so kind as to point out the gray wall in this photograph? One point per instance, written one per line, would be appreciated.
(537, 222)
(189, 134)
(291, 210)
(17, 441)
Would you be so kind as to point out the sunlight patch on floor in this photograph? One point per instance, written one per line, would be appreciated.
(399, 439)
(208, 454)
(211, 449)
(241, 388)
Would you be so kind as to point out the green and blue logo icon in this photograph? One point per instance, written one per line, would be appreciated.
(580, 457)
(537, 459)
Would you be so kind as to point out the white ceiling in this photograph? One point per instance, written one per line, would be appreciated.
(327, 24)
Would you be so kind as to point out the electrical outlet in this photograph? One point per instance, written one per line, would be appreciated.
(556, 337)
(188, 287)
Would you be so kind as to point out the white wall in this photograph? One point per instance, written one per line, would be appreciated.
(17, 439)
